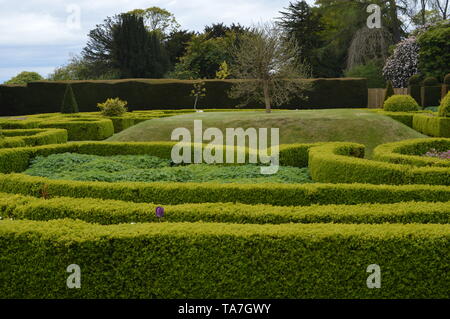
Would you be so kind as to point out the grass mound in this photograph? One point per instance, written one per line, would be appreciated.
(305, 126)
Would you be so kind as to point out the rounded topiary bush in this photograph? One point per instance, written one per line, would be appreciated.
(444, 108)
(401, 103)
(416, 79)
(430, 81)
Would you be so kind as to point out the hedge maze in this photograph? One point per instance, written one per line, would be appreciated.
(224, 240)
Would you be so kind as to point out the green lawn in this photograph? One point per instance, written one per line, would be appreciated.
(304, 126)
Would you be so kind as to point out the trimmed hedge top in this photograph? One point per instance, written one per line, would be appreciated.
(401, 103)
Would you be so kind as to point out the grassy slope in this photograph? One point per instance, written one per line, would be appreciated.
(305, 126)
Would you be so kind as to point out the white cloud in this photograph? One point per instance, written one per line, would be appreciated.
(35, 33)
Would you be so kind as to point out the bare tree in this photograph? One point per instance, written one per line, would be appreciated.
(268, 63)
(442, 6)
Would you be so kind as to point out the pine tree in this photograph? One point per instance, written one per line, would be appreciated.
(69, 104)
(389, 90)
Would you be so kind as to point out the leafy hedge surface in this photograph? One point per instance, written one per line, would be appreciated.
(213, 260)
(145, 94)
(83, 129)
(343, 163)
(431, 125)
(33, 137)
(180, 193)
(108, 212)
(408, 152)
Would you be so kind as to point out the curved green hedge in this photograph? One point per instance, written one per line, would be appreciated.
(213, 260)
(108, 212)
(343, 163)
(408, 152)
(32, 137)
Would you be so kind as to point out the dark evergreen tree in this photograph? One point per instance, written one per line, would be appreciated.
(136, 52)
(176, 45)
(69, 104)
(389, 91)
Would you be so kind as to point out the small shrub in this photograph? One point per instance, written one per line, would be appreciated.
(444, 108)
(69, 104)
(113, 107)
(389, 91)
(401, 103)
(415, 80)
(430, 81)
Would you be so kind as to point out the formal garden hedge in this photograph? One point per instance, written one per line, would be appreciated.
(226, 240)
(217, 260)
(432, 125)
(32, 137)
(344, 163)
(46, 97)
(410, 152)
(108, 212)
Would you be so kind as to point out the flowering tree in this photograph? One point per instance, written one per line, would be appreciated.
(403, 63)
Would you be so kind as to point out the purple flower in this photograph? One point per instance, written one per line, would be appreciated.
(160, 212)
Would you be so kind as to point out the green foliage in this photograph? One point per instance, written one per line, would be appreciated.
(203, 57)
(113, 107)
(340, 169)
(304, 24)
(140, 168)
(400, 103)
(432, 125)
(372, 71)
(430, 81)
(389, 91)
(416, 79)
(223, 72)
(24, 78)
(46, 97)
(188, 260)
(410, 152)
(69, 103)
(137, 53)
(108, 212)
(32, 137)
(434, 54)
(343, 163)
(444, 108)
(157, 19)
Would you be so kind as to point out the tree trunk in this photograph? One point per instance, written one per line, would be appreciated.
(267, 97)
(396, 28)
(195, 103)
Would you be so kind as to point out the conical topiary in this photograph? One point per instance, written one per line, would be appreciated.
(389, 90)
(69, 104)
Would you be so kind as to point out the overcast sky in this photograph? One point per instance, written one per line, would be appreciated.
(39, 35)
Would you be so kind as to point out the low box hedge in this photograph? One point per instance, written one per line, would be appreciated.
(83, 129)
(180, 193)
(108, 212)
(214, 260)
(33, 137)
(432, 125)
(343, 163)
(409, 152)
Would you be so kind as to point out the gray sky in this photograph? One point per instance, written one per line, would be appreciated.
(39, 35)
